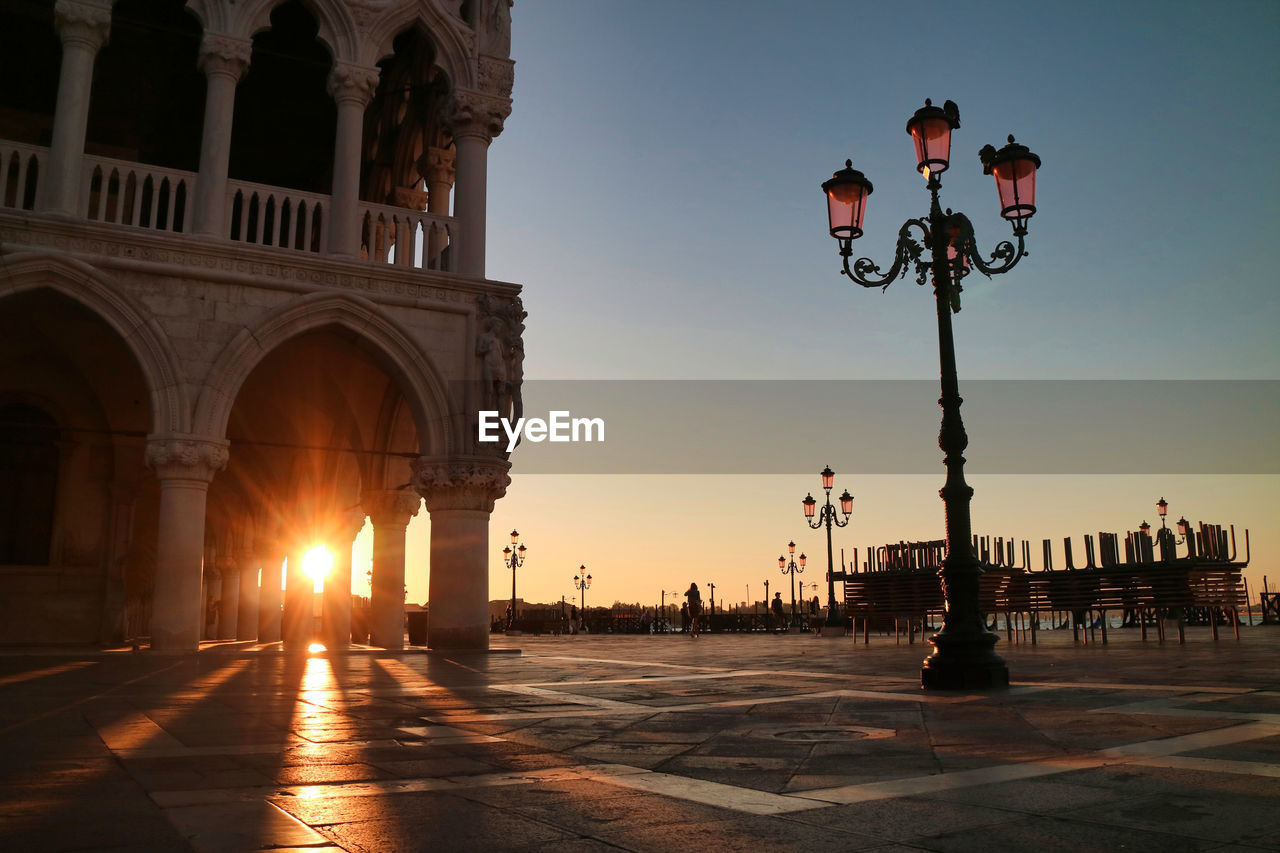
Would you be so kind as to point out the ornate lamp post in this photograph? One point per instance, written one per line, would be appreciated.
(581, 581)
(789, 567)
(828, 517)
(1164, 537)
(963, 656)
(513, 559)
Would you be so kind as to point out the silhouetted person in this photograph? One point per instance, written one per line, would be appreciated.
(573, 619)
(779, 616)
(211, 619)
(684, 617)
(694, 604)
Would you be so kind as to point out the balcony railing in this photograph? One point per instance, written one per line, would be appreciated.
(134, 194)
(20, 168)
(405, 238)
(137, 195)
(271, 216)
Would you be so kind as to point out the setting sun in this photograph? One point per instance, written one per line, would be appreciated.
(317, 563)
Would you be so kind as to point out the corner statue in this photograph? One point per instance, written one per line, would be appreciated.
(500, 348)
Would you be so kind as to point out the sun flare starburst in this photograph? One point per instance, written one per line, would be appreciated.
(316, 564)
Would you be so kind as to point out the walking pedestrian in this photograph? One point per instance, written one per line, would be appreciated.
(695, 608)
(779, 617)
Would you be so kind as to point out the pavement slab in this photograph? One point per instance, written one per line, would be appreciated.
(644, 743)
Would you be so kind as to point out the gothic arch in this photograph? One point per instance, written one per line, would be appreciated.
(337, 30)
(26, 271)
(447, 34)
(404, 361)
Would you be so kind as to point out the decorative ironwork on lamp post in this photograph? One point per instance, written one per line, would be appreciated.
(964, 655)
(514, 560)
(789, 567)
(827, 517)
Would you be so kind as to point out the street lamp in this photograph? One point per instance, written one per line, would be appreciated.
(827, 516)
(581, 581)
(513, 559)
(789, 567)
(964, 655)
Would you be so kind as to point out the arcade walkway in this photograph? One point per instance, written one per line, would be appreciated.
(644, 743)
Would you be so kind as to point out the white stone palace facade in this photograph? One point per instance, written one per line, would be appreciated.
(243, 308)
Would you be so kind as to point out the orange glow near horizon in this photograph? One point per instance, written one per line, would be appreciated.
(316, 564)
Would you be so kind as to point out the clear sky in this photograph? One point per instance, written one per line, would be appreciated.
(656, 192)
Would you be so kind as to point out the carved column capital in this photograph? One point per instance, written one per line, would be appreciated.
(474, 113)
(437, 165)
(474, 483)
(356, 83)
(390, 507)
(348, 524)
(222, 54)
(187, 457)
(87, 24)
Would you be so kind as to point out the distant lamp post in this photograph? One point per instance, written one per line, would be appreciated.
(827, 517)
(964, 655)
(1184, 528)
(514, 560)
(1162, 507)
(789, 567)
(581, 581)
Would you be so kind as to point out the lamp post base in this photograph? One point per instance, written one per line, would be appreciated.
(964, 664)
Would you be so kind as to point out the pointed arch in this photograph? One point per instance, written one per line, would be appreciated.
(337, 30)
(142, 335)
(451, 37)
(394, 350)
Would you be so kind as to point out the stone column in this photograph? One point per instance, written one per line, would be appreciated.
(336, 617)
(184, 464)
(460, 494)
(269, 594)
(223, 60)
(438, 168)
(83, 28)
(229, 600)
(352, 87)
(297, 620)
(390, 512)
(247, 610)
(474, 118)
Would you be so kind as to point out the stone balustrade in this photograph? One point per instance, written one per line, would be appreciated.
(128, 193)
(20, 168)
(406, 237)
(138, 195)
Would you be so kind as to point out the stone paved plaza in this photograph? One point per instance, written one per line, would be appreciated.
(767, 742)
